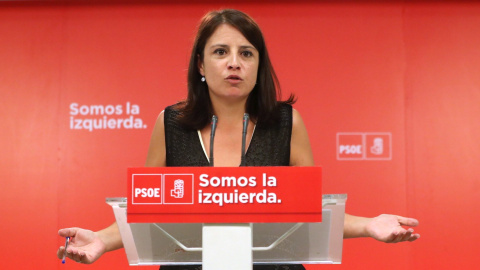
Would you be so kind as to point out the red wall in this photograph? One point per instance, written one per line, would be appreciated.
(409, 69)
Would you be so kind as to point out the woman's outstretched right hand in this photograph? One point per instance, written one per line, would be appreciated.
(85, 246)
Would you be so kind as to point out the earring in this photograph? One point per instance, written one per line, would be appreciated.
(203, 79)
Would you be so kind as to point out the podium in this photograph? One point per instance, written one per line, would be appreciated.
(253, 234)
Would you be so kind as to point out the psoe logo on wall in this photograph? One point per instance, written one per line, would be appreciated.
(364, 146)
(162, 188)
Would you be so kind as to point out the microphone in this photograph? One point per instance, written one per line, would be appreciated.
(212, 135)
(244, 137)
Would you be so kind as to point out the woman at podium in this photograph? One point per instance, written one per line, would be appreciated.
(230, 75)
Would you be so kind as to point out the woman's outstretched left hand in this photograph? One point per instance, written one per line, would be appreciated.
(388, 228)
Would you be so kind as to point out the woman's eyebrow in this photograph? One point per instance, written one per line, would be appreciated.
(248, 47)
(219, 45)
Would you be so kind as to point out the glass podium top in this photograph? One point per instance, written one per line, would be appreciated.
(273, 243)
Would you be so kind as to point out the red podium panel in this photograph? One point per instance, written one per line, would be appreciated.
(224, 194)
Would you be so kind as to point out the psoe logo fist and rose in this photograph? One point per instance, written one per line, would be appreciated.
(364, 146)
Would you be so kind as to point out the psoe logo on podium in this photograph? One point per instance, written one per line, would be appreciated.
(364, 146)
(147, 189)
(178, 189)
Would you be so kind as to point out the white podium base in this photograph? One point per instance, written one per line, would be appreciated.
(226, 246)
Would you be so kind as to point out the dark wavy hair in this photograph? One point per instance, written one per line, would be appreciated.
(262, 104)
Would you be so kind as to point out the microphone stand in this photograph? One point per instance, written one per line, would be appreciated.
(244, 137)
(212, 135)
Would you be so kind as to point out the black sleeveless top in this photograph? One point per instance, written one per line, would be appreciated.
(269, 146)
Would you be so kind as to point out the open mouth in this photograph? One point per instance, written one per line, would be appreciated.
(233, 78)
